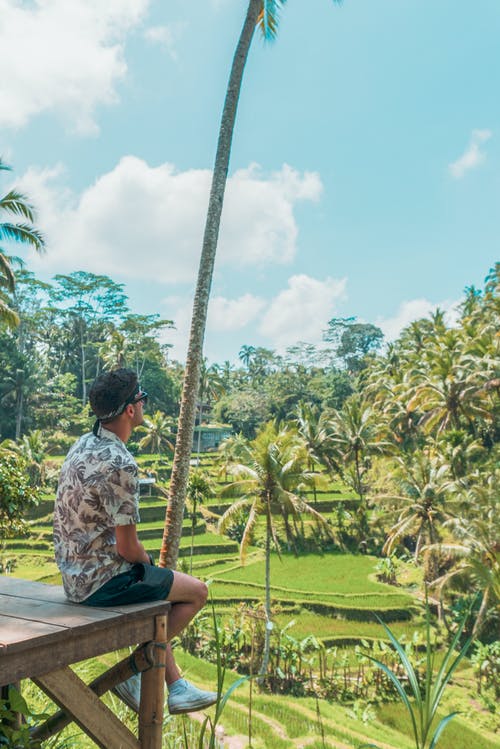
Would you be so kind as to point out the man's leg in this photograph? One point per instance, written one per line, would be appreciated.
(187, 595)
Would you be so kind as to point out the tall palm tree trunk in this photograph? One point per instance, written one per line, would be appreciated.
(267, 638)
(193, 526)
(178, 483)
(19, 402)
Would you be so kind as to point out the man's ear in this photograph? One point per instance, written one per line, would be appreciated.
(130, 410)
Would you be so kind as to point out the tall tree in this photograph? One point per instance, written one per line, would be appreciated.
(271, 478)
(91, 303)
(264, 14)
(14, 204)
(357, 435)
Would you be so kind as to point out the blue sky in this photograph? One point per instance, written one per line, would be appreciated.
(364, 174)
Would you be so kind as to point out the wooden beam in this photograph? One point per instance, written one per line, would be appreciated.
(68, 690)
(143, 658)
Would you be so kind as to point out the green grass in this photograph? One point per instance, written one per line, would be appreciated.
(330, 574)
(330, 629)
(457, 734)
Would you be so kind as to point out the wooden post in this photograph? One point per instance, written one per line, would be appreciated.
(153, 692)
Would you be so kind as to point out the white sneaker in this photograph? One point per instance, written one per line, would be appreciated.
(130, 692)
(185, 698)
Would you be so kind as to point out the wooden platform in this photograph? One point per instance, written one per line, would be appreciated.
(41, 634)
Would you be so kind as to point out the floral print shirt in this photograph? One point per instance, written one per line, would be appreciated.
(98, 490)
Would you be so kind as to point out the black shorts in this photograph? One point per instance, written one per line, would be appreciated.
(140, 584)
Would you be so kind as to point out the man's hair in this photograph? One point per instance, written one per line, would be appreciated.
(111, 390)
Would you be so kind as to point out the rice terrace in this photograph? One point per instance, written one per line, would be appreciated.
(250, 389)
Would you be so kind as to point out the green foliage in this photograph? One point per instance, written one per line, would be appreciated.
(486, 661)
(426, 692)
(17, 495)
(16, 719)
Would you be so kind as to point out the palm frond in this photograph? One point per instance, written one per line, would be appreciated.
(268, 19)
(7, 315)
(23, 233)
(247, 534)
(6, 270)
(16, 203)
(231, 511)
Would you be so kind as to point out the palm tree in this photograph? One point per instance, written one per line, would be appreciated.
(264, 15)
(158, 432)
(271, 478)
(315, 430)
(246, 354)
(231, 451)
(475, 546)
(356, 435)
(113, 350)
(199, 488)
(448, 391)
(210, 389)
(421, 507)
(14, 204)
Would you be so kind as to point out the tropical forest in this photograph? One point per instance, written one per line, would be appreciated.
(342, 504)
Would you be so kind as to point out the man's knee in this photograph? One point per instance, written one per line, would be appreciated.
(201, 593)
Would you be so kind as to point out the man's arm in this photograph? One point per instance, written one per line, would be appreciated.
(128, 545)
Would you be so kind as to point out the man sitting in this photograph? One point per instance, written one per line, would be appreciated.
(97, 550)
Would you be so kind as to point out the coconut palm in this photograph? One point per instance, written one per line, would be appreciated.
(158, 432)
(270, 479)
(448, 391)
(113, 350)
(316, 432)
(475, 546)
(199, 488)
(246, 354)
(357, 434)
(14, 204)
(421, 506)
(262, 14)
(315, 428)
(231, 451)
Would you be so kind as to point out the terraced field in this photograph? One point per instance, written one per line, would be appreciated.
(332, 595)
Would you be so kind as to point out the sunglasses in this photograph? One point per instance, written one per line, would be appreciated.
(138, 397)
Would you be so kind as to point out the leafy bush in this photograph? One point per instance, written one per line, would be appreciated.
(16, 495)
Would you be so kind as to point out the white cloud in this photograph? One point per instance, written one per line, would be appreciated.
(301, 312)
(233, 314)
(225, 316)
(63, 56)
(473, 156)
(412, 310)
(165, 36)
(146, 223)
(265, 208)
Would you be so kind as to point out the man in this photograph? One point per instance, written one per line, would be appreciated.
(97, 550)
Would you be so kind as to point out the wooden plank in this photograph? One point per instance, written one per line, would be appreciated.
(16, 586)
(59, 614)
(92, 715)
(70, 646)
(55, 594)
(25, 633)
